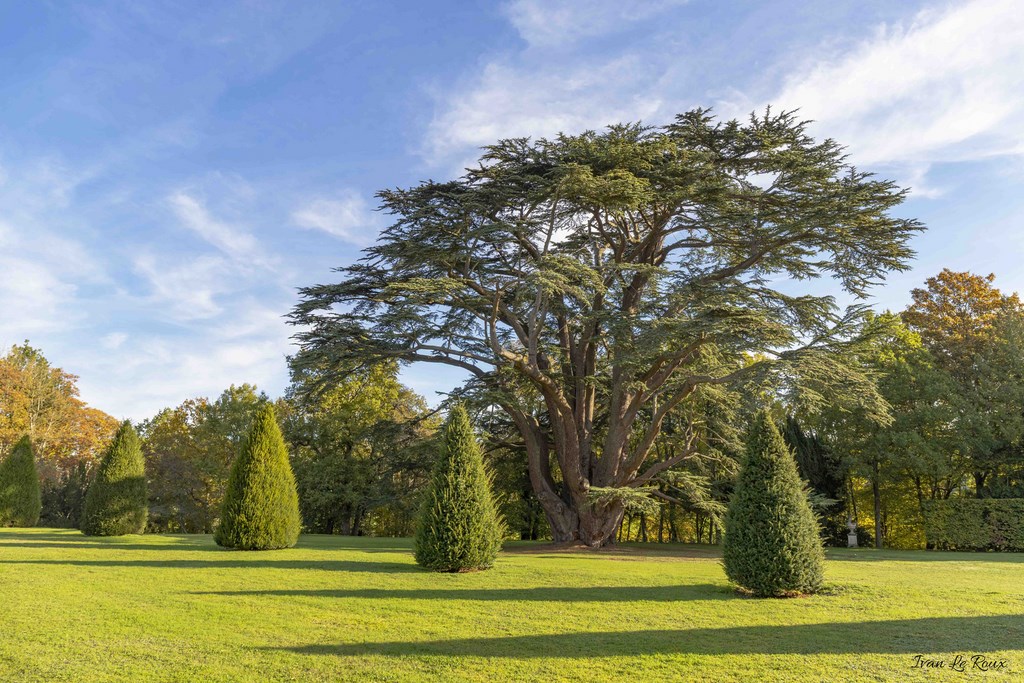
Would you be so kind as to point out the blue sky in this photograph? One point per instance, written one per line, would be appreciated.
(171, 172)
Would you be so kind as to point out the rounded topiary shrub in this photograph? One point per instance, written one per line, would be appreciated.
(116, 501)
(459, 528)
(772, 545)
(20, 501)
(261, 506)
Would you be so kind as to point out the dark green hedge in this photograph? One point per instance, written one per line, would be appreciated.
(975, 524)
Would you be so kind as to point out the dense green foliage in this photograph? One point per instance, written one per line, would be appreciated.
(68, 437)
(593, 283)
(825, 472)
(772, 546)
(20, 501)
(360, 446)
(116, 503)
(909, 454)
(361, 451)
(975, 524)
(459, 527)
(64, 499)
(189, 451)
(951, 368)
(975, 334)
(261, 506)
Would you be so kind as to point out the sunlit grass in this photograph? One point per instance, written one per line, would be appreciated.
(177, 608)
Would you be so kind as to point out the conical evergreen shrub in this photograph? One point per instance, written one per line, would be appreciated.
(20, 501)
(772, 545)
(261, 506)
(459, 528)
(116, 502)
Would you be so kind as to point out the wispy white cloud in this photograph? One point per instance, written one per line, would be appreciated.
(197, 316)
(34, 299)
(113, 341)
(561, 23)
(555, 83)
(246, 343)
(183, 289)
(237, 243)
(152, 284)
(189, 285)
(507, 100)
(347, 217)
(948, 85)
(41, 270)
(945, 85)
(213, 311)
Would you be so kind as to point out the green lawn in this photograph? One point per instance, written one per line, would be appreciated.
(177, 608)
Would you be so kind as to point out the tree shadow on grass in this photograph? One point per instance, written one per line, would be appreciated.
(872, 555)
(72, 538)
(185, 542)
(229, 562)
(928, 636)
(539, 594)
(369, 544)
(93, 544)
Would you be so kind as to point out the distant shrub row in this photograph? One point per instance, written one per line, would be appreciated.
(975, 524)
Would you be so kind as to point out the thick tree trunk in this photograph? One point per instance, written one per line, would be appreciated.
(979, 484)
(876, 490)
(357, 523)
(594, 528)
(661, 524)
(571, 514)
(920, 506)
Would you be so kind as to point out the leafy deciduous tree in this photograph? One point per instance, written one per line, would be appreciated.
(995, 419)
(913, 443)
(189, 450)
(360, 450)
(68, 437)
(955, 313)
(959, 316)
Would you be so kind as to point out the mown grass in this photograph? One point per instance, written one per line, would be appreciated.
(177, 608)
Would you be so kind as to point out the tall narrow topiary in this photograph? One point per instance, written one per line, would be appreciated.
(772, 545)
(116, 502)
(20, 502)
(459, 526)
(261, 506)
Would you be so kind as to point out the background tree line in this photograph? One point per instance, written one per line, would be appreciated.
(950, 366)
